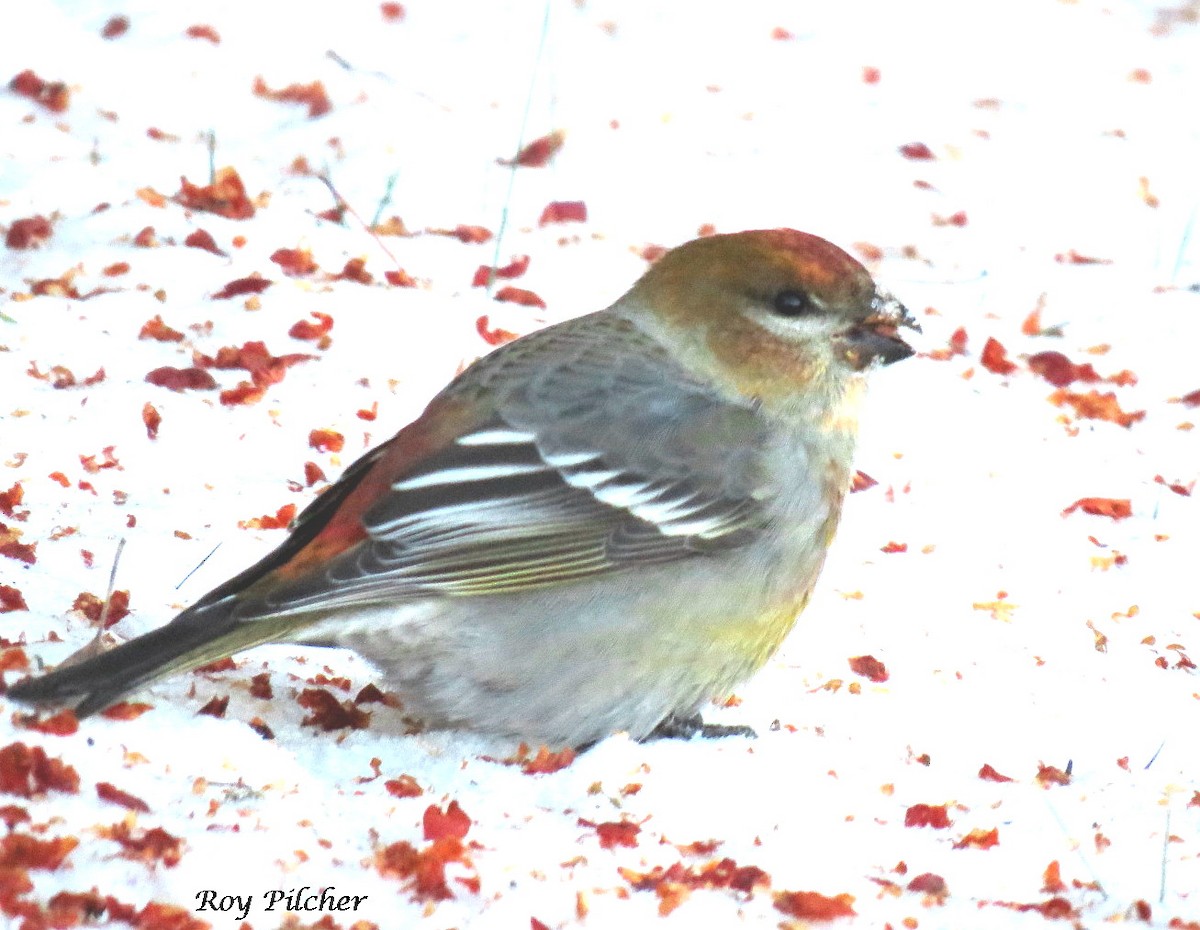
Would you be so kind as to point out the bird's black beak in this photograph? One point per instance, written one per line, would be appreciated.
(874, 339)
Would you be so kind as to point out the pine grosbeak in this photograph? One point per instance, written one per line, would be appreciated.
(594, 528)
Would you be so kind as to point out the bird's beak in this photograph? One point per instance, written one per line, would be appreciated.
(875, 339)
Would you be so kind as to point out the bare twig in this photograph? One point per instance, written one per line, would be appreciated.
(512, 171)
(199, 565)
(343, 204)
(210, 141)
(384, 201)
(1162, 882)
(112, 584)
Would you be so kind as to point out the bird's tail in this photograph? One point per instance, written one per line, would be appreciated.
(194, 638)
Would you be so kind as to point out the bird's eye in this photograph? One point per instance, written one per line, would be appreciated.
(793, 303)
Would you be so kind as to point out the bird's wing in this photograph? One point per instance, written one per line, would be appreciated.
(583, 450)
(596, 454)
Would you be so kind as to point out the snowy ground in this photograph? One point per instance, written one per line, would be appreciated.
(978, 159)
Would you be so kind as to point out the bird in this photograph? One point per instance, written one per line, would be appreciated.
(595, 528)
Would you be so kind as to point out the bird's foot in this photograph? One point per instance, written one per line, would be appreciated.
(678, 727)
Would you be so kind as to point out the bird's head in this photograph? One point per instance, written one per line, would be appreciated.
(772, 314)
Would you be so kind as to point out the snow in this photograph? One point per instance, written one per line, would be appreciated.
(1044, 134)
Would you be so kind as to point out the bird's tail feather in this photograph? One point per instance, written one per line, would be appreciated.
(192, 639)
